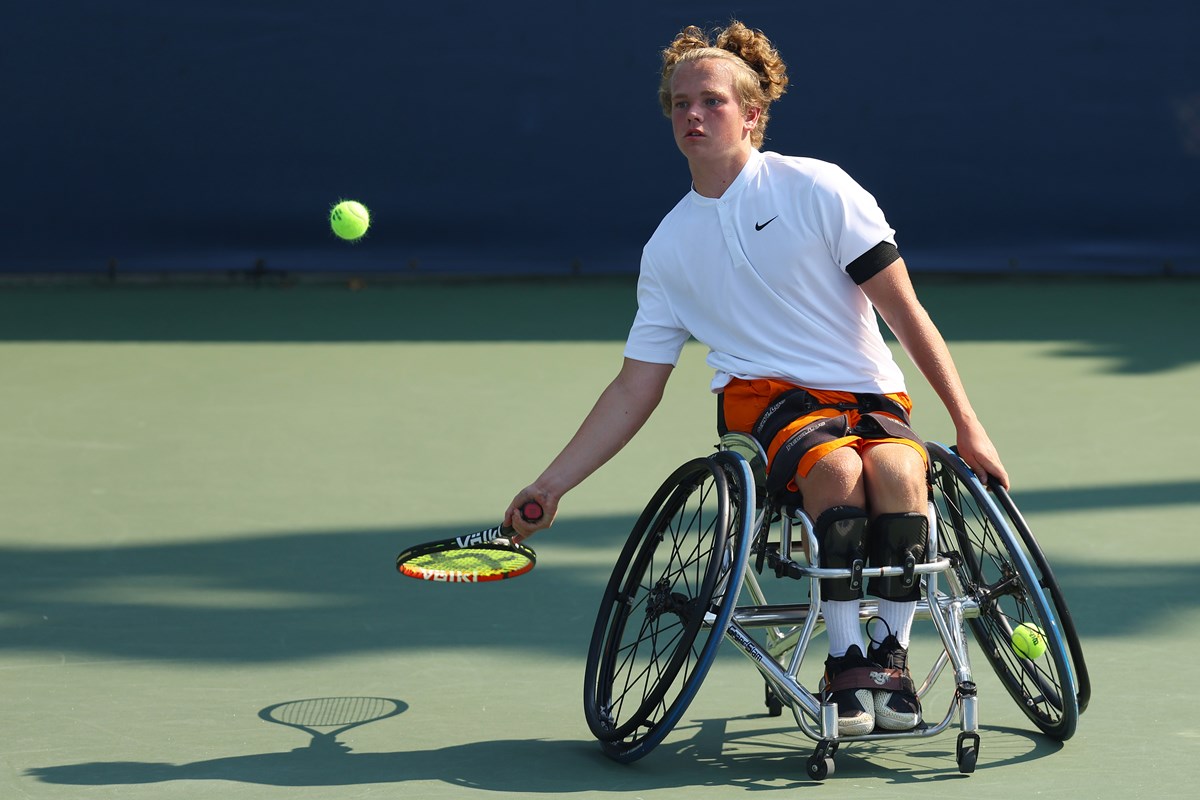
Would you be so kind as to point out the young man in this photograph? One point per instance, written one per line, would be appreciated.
(779, 264)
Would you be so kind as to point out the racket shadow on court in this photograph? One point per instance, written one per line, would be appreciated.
(324, 718)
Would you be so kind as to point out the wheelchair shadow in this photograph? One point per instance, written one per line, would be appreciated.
(746, 756)
(709, 754)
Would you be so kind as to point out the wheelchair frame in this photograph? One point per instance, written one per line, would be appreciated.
(675, 590)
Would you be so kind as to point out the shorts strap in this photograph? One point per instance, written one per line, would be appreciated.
(788, 406)
(881, 418)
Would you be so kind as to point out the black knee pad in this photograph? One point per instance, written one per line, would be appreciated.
(842, 536)
(898, 540)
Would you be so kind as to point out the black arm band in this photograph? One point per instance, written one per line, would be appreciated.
(872, 262)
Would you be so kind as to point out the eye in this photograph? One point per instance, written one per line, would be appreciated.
(713, 101)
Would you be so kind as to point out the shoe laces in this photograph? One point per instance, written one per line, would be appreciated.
(889, 651)
(874, 642)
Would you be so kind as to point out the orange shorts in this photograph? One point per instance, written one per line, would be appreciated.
(744, 402)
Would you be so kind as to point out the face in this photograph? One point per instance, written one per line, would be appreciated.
(706, 115)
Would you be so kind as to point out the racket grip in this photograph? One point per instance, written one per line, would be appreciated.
(532, 512)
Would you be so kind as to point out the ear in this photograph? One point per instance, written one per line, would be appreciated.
(751, 121)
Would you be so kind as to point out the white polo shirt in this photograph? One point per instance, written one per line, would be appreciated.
(759, 277)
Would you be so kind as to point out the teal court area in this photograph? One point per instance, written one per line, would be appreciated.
(204, 489)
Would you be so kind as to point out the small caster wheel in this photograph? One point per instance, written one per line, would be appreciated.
(967, 752)
(774, 704)
(820, 763)
(819, 768)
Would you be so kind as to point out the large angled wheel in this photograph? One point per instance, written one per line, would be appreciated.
(1000, 565)
(666, 606)
(1054, 593)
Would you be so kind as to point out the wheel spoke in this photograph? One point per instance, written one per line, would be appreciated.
(991, 566)
(652, 643)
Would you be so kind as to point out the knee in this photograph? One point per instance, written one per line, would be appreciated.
(894, 459)
(838, 476)
(896, 479)
(835, 480)
(844, 464)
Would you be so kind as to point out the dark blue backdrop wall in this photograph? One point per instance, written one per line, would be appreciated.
(525, 136)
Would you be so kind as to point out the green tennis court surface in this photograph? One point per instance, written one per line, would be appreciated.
(203, 491)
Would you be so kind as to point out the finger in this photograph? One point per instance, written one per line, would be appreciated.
(989, 471)
(977, 466)
(1001, 476)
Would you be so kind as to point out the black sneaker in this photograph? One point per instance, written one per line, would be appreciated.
(896, 705)
(846, 683)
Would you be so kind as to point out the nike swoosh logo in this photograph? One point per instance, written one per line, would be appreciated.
(760, 226)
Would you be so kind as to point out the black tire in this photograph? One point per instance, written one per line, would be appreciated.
(1048, 583)
(819, 769)
(993, 566)
(773, 703)
(666, 607)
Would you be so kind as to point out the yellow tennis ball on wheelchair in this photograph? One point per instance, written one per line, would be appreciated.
(350, 220)
(1029, 641)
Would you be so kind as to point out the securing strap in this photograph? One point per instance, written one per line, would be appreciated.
(898, 540)
(884, 679)
(881, 418)
(841, 532)
(796, 403)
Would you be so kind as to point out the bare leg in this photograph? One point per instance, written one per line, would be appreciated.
(836, 480)
(894, 475)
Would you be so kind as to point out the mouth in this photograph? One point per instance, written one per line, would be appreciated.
(693, 134)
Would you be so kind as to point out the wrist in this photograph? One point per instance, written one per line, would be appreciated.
(964, 419)
(547, 490)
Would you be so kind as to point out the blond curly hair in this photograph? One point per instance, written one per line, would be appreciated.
(759, 74)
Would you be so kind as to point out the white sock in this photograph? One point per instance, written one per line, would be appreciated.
(841, 625)
(898, 619)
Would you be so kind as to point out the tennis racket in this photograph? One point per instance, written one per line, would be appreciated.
(488, 555)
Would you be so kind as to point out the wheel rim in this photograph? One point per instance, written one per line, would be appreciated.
(726, 557)
(992, 568)
(654, 618)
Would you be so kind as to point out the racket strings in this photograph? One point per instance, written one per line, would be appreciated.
(471, 560)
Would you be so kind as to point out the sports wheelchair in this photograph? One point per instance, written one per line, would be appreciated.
(709, 538)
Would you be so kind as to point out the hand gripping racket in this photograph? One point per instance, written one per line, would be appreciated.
(488, 555)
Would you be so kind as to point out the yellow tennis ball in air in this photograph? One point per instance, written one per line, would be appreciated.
(350, 220)
(1029, 641)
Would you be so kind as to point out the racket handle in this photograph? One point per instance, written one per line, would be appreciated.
(531, 511)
